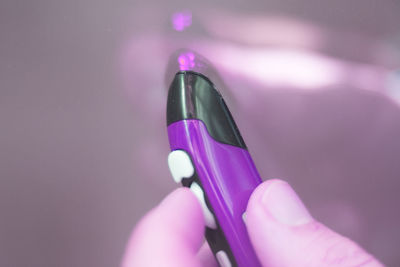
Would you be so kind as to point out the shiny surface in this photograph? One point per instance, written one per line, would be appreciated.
(208, 216)
(228, 176)
(180, 165)
(223, 259)
(191, 95)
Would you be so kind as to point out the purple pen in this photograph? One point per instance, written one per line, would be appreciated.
(210, 157)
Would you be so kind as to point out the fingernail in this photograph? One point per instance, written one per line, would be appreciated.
(284, 205)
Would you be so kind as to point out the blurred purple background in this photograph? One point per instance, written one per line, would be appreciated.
(314, 88)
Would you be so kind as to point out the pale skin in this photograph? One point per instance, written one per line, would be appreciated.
(281, 229)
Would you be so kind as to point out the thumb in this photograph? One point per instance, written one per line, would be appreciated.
(283, 232)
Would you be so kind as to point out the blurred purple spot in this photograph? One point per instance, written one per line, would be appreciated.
(186, 61)
(181, 20)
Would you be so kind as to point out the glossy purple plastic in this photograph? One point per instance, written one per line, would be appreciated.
(228, 176)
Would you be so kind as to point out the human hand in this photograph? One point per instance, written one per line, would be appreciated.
(281, 229)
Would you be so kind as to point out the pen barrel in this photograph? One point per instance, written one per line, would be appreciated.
(227, 176)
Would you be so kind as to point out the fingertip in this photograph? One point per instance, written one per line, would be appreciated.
(183, 207)
(283, 232)
(259, 192)
(180, 212)
(173, 231)
(255, 216)
(180, 198)
(179, 193)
